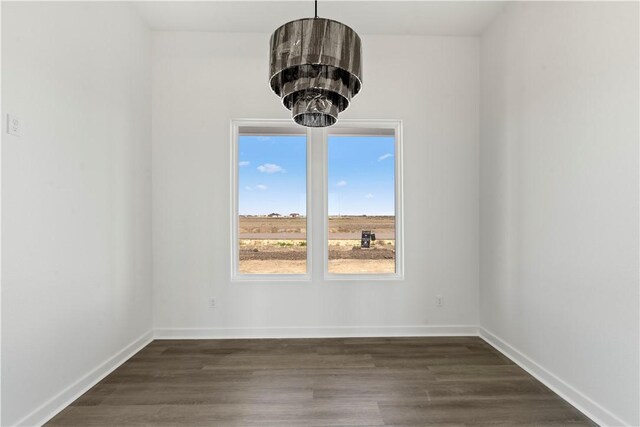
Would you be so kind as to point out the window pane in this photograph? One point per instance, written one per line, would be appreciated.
(361, 206)
(272, 204)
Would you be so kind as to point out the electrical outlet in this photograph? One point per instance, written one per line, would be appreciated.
(13, 125)
(439, 301)
(212, 303)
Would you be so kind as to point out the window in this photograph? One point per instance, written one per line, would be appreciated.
(271, 195)
(361, 204)
(354, 205)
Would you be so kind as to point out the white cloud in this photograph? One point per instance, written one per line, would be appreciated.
(384, 156)
(260, 187)
(270, 168)
(243, 163)
(368, 196)
(341, 184)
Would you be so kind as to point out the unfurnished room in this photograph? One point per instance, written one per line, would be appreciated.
(320, 213)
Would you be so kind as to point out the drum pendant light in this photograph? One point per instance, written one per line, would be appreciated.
(315, 67)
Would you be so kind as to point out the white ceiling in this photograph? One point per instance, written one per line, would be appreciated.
(453, 18)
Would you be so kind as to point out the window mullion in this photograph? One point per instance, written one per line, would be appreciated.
(317, 205)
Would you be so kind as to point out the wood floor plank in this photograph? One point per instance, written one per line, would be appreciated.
(241, 392)
(444, 381)
(470, 412)
(496, 389)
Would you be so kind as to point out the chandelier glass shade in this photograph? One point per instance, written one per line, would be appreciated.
(315, 67)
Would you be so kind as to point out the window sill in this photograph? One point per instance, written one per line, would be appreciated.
(391, 277)
(247, 278)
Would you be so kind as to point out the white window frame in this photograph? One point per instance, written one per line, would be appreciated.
(365, 127)
(317, 189)
(262, 127)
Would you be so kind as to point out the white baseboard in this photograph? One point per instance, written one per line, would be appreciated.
(565, 390)
(316, 332)
(63, 399)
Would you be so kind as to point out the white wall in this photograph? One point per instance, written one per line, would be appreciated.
(559, 196)
(558, 263)
(203, 80)
(76, 279)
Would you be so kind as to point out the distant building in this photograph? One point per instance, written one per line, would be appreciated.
(274, 215)
(294, 215)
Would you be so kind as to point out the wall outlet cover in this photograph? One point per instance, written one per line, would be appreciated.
(13, 125)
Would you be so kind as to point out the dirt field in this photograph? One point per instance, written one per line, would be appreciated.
(344, 227)
(340, 266)
(296, 250)
(278, 245)
(383, 226)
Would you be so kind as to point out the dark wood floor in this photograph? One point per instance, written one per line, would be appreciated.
(452, 381)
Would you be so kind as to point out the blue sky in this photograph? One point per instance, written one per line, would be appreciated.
(272, 175)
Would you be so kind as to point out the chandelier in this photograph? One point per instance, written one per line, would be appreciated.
(315, 67)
